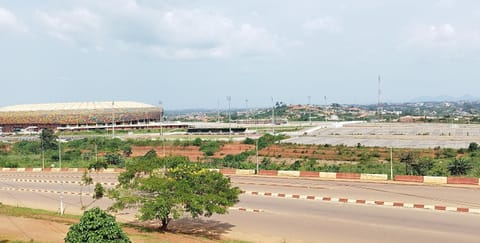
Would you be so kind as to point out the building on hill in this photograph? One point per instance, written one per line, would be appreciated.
(79, 116)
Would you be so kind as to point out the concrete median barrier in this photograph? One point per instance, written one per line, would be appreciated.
(244, 172)
(351, 176)
(268, 172)
(289, 173)
(435, 179)
(409, 178)
(462, 180)
(374, 177)
(312, 174)
(329, 175)
(227, 171)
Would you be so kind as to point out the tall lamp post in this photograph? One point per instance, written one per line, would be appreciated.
(309, 110)
(273, 116)
(256, 148)
(60, 165)
(163, 137)
(113, 119)
(229, 99)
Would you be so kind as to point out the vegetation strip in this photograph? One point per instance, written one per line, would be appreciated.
(364, 202)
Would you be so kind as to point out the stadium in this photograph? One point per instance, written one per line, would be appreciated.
(78, 116)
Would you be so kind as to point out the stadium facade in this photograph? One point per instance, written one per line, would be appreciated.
(78, 116)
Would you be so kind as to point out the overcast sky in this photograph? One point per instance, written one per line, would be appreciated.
(193, 54)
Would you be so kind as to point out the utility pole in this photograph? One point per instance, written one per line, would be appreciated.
(379, 104)
(60, 165)
(218, 111)
(309, 110)
(273, 117)
(229, 99)
(246, 109)
(113, 119)
(60, 152)
(256, 148)
(43, 153)
(391, 163)
(163, 138)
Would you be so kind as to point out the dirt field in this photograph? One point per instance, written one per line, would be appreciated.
(51, 230)
(192, 152)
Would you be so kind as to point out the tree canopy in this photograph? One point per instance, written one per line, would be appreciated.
(47, 139)
(183, 188)
(96, 226)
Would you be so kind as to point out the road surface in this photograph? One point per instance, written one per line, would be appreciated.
(285, 219)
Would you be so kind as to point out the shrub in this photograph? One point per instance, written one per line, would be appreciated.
(96, 226)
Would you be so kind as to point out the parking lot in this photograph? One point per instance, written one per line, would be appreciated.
(397, 135)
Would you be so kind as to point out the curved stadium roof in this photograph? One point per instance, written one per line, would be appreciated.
(76, 106)
(85, 113)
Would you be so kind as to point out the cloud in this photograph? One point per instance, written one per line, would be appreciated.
(444, 36)
(10, 23)
(322, 24)
(167, 32)
(78, 26)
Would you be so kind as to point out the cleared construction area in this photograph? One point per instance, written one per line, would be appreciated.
(397, 135)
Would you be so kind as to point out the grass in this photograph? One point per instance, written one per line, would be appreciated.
(37, 214)
(135, 232)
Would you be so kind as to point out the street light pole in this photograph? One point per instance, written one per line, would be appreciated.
(273, 117)
(391, 163)
(43, 154)
(60, 165)
(256, 148)
(309, 110)
(163, 138)
(246, 109)
(113, 119)
(229, 99)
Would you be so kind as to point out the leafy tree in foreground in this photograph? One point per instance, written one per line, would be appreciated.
(96, 226)
(185, 188)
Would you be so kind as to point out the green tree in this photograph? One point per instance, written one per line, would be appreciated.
(186, 188)
(127, 150)
(48, 139)
(409, 159)
(422, 166)
(209, 148)
(459, 166)
(96, 226)
(472, 147)
(113, 159)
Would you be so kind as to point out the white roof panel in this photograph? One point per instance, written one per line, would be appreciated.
(76, 106)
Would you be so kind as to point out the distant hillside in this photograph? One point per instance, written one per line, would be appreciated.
(442, 98)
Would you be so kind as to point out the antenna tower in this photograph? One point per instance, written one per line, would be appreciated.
(379, 104)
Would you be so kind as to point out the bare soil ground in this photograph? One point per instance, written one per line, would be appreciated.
(51, 229)
(192, 152)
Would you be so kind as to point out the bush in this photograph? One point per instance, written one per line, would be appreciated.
(96, 226)
(459, 167)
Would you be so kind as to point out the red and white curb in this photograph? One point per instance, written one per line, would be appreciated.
(59, 182)
(365, 202)
(44, 191)
(246, 209)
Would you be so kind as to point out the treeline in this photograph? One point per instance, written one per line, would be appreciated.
(103, 152)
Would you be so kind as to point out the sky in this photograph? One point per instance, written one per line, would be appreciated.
(195, 53)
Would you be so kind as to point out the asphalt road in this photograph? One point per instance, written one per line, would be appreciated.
(291, 220)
